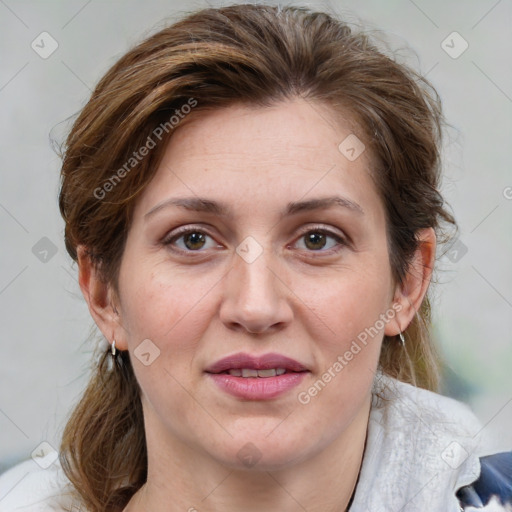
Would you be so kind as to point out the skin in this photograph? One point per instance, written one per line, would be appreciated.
(305, 302)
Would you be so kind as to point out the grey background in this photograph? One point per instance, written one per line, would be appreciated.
(44, 320)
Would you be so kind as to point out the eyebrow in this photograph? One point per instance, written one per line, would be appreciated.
(197, 204)
(323, 202)
(200, 204)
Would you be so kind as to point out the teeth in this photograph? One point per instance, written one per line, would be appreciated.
(251, 372)
(271, 372)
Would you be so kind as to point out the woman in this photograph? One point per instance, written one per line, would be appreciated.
(251, 195)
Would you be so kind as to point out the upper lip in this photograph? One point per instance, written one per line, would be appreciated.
(262, 362)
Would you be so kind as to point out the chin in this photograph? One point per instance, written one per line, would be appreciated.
(261, 452)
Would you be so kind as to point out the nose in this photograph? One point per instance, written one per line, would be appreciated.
(256, 299)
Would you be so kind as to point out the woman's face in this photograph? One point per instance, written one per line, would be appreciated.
(258, 236)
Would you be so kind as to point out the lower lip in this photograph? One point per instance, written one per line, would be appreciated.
(257, 388)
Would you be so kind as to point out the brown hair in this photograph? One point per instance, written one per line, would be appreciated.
(256, 55)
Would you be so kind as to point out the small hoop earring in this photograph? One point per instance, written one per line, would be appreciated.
(402, 339)
(113, 349)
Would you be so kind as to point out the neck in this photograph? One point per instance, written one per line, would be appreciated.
(182, 479)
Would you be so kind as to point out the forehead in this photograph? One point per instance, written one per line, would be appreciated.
(280, 153)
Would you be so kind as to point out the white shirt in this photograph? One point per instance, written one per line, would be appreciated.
(421, 448)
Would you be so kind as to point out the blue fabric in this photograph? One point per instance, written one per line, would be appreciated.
(495, 480)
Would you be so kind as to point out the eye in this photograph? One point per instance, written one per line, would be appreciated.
(191, 240)
(320, 240)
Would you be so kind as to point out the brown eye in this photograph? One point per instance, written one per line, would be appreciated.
(320, 241)
(194, 241)
(315, 241)
(191, 240)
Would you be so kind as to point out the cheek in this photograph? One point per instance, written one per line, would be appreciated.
(160, 304)
(347, 343)
(173, 311)
(348, 304)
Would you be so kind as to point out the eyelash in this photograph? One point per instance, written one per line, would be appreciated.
(181, 232)
(341, 241)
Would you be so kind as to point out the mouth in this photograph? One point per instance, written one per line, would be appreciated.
(264, 366)
(251, 372)
(256, 377)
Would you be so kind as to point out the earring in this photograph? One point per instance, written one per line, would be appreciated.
(113, 349)
(402, 339)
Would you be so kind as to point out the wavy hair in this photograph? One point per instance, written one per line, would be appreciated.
(257, 55)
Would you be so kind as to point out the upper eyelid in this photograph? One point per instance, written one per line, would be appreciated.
(183, 230)
(324, 229)
(341, 237)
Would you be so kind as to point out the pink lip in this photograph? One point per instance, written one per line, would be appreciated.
(257, 388)
(263, 362)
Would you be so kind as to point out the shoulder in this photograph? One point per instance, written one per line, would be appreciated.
(36, 485)
(444, 433)
(447, 422)
(423, 411)
(421, 448)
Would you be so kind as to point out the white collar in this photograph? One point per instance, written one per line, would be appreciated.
(420, 448)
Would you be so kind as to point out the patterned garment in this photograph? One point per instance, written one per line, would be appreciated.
(493, 489)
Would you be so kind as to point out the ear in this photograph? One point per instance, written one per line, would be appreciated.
(100, 299)
(409, 295)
